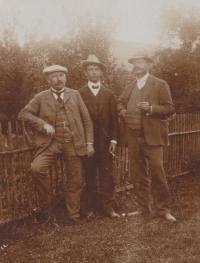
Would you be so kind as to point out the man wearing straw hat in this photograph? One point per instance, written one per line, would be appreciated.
(63, 126)
(144, 105)
(101, 105)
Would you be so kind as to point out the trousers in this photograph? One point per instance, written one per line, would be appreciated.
(101, 162)
(74, 179)
(143, 156)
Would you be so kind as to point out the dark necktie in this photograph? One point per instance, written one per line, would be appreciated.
(58, 94)
(95, 87)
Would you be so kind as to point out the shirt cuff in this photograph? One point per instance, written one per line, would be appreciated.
(114, 141)
(89, 143)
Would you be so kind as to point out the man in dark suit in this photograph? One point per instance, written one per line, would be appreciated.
(101, 105)
(63, 126)
(144, 105)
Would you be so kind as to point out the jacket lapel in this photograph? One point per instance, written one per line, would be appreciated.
(102, 97)
(129, 90)
(86, 94)
(66, 95)
(49, 99)
(148, 88)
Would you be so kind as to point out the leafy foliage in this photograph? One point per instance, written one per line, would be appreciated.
(178, 60)
(21, 66)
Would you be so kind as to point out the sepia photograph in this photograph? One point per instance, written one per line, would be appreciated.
(99, 131)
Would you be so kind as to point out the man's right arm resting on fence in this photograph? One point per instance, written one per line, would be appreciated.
(30, 112)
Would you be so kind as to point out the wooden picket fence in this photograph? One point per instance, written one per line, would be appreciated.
(17, 193)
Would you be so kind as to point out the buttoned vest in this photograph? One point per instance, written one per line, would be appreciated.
(62, 128)
(134, 113)
(96, 107)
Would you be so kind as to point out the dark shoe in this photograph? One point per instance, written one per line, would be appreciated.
(109, 211)
(75, 221)
(90, 215)
(113, 215)
(41, 217)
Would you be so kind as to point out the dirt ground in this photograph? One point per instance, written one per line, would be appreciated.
(125, 240)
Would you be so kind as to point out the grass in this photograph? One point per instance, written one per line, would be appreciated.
(126, 240)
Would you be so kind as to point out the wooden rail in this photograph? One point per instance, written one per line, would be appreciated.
(17, 194)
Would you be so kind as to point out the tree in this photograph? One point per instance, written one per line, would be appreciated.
(21, 66)
(177, 61)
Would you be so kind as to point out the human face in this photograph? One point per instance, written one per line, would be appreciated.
(93, 73)
(57, 80)
(140, 67)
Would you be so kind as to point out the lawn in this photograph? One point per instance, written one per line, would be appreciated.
(126, 240)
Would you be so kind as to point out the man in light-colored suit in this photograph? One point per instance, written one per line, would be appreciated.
(63, 126)
(144, 106)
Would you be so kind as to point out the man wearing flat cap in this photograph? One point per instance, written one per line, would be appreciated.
(101, 105)
(144, 105)
(63, 126)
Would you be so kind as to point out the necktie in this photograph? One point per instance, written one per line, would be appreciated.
(95, 87)
(58, 94)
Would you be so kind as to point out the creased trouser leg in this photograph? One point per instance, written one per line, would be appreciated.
(90, 171)
(140, 178)
(106, 178)
(39, 171)
(159, 187)
(74, 181)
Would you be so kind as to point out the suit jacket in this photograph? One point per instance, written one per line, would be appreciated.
(41, 110)
(158, 95)
(108, 117)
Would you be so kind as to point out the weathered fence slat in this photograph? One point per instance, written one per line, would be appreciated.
(17, 193)
(10, 144)
(1, 139)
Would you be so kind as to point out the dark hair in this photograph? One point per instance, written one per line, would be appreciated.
(91, 64)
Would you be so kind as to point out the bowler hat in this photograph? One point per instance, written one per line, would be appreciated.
(140, 53)
(92, 59)
(54, 68)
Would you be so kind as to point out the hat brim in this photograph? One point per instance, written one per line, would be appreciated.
(85, 63)
(130, 60)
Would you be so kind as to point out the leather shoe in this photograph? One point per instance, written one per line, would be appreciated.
(74, 221)
(136, 213)
(109, 211)
(113, 215)
(90, 215)
(41, 217)
(169, 218)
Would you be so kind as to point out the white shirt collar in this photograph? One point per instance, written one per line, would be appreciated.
(94, 91)
(62, 94)
(58, 90)
(141, 82)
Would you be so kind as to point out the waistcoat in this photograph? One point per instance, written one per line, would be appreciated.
(134, 113)
(62, 128)
(96, 106)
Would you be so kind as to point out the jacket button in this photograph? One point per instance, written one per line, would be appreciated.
(147, 114)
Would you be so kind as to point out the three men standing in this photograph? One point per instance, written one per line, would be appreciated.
(62, 118)
(63, 126)
(145, 104)
(101, 105)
